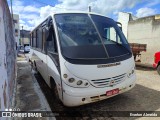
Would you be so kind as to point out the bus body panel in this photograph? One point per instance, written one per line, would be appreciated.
(47, 69)
(74, 96)
(92, 72)
(54, 73)
(41, 65)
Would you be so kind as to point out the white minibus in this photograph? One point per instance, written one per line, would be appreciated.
(83, 57)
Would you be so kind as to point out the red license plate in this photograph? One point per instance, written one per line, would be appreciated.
(112, 92)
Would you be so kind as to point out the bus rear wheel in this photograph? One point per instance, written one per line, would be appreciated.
(35, 68)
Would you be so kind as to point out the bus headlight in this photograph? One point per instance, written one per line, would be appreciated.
(130, 73)
(86, 84)
(71, 80)
(65, 75)
(75, 82)
(79, 82)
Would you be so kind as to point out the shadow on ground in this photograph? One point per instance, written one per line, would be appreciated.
(143, 68)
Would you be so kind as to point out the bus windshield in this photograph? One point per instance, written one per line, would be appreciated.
(88, 36)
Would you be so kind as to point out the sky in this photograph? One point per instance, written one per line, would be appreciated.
(32, 12)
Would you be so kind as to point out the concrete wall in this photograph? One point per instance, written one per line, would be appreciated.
(26, 41)
(7, 57)
(146, 31)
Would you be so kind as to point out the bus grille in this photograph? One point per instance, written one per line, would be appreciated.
(109, 81)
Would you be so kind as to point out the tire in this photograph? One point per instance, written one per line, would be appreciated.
(54, 90)
(35, 68)
(158, 69)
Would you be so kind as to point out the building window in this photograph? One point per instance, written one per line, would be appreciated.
(14, 21)
(16, 30)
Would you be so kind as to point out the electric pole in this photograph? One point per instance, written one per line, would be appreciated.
(22, 37)
(11, 10)
(89, 8)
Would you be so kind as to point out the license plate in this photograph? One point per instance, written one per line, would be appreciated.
(112, 92)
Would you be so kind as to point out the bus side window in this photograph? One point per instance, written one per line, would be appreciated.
(43, 40)
(114, 36)
(34, 39)
(51, 44)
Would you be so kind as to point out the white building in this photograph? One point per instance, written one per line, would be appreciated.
(124, 18)
(144, 30)
(16, 27)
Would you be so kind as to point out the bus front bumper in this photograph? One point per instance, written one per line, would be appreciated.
(81, 96)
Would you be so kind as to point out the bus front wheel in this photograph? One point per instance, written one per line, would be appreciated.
(54, 88)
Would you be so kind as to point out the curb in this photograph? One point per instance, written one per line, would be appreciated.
(42, 100)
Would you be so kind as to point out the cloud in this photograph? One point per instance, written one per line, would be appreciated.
(25, 27)
(33, 15)
(46, 10)
(31, 22)
(153, 3)
(142, 12)
(21, 22)
(107, 7)
(28, 16)
(31, 9)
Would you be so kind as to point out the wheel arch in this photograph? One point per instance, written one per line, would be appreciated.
(52, 81)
